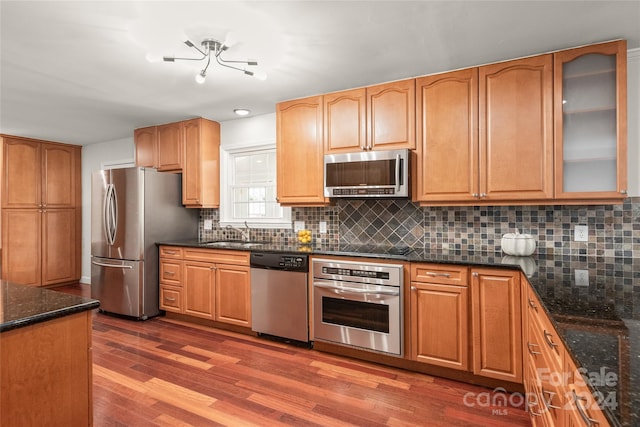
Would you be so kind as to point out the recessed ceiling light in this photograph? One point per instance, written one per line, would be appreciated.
(241, 111)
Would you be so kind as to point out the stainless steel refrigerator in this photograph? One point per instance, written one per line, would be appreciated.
(131, 210)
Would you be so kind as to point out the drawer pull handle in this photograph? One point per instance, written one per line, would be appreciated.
(169, 299)
(583, 414)
(532, 304)
(170, 273)
(531, 411)
(432, 274)
(549, 403)
(170, 252)
(547, 337)
(529, 345)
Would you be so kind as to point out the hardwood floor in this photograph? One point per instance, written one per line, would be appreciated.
(167, 373)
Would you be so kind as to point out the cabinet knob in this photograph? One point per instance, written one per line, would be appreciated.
(623, 191)
(474, 195)
(474, 274)
(531, 303)
(213, 267)
(413, 288)
(483, 195)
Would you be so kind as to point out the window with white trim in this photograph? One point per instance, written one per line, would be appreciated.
(248, 188)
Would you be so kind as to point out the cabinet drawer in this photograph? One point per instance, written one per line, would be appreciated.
(439, 273)
(540, 325)
(171, 298)
(217, 256)
(582, 406)
(171, 252)
(171, 272)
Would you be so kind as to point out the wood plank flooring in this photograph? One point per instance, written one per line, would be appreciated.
(168, 373)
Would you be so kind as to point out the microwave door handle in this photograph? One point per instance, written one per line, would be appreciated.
(398, 171)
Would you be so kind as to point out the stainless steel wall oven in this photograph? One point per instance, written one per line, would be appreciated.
(358, 304)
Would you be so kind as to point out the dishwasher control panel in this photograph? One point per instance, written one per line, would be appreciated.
(279, 261)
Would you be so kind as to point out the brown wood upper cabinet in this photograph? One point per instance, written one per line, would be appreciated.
(170, 147)
(299, 150)
(146, 142)
(380, 117)
(516, 129)
(590, 105)
(485, 134)
(40, 174)
(201, 167)
(191, 147)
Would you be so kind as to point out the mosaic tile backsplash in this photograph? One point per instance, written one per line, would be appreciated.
(614, 230)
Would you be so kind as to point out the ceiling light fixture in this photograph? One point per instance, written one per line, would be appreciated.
(214, 48)
(241, 111)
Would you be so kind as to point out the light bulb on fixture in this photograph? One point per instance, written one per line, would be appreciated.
(241, 111)
(212, 47)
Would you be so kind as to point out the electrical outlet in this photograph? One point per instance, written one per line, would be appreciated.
(581, 233)
(208, 224)
(298, 225)
(323, 227)
(582, 277)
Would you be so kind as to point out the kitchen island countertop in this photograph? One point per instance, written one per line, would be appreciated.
(26, 305)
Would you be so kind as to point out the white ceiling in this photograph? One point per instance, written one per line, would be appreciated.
(76, 71)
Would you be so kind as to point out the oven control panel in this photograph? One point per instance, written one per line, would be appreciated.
(348, 272)
(359, 272)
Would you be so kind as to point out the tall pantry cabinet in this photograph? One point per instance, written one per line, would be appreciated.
(41, 219)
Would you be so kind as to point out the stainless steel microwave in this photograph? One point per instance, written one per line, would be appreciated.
(367, 174)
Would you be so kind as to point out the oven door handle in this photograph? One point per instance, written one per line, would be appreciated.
(338, 290)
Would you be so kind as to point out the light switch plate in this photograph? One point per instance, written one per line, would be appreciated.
(582, 277)
(208, 224)
(298, 225)
(323, 227)
(581, 233)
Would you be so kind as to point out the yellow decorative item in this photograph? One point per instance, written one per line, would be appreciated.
(304, 237)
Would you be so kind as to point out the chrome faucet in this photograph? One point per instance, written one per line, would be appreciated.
(243, 232)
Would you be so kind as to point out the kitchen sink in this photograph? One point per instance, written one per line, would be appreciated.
(233, 244)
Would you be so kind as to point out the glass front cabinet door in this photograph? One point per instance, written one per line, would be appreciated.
(590, 105)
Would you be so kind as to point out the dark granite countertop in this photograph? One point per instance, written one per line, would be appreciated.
(599, 323)
(26, 305)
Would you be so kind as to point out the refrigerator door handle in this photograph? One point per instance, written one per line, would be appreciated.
(129, 267)
(110, 214)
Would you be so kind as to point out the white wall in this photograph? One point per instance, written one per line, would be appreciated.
(94, 156)
(256, 130)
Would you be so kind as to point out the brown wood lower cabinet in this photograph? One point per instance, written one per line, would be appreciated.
(469, 324)
(206, 283)
(557, 394)
(39, 246)
(47, 367)
(440, 315)
(496, 323)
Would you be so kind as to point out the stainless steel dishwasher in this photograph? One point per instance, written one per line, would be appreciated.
(279, 296)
